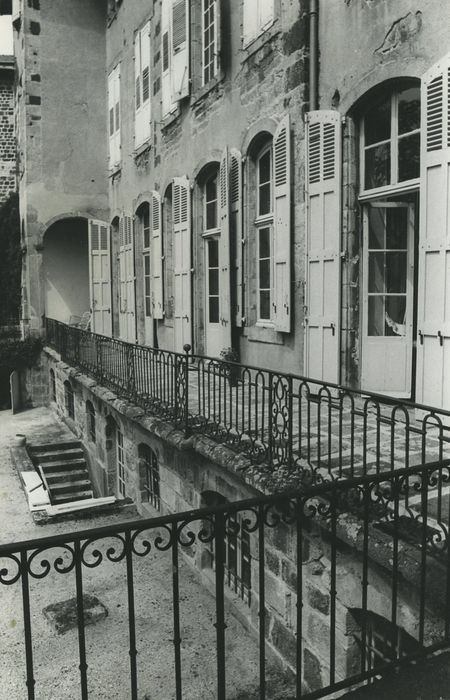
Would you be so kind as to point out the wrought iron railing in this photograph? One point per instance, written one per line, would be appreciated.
(300, 428)
(364, 562)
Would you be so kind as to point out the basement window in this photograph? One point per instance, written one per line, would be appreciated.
(149, 474)
(90, 419)
(69, 400)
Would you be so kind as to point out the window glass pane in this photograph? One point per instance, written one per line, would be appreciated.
(394, 316)
(408, 110)
(264, 305)
(378, 166)
(376, 316)
(211, 215)
(409, 157)
(214, 309)
(147, 307)
(377, 123)
(376, 227)
(214, 281)
(264, 168)
(264, 274)
(147, 264)
(376, 273)
(264, 199)
(264, 243)
(211, 189)
(396, 272)
(396, 227)
(213, 253)
(146, 238)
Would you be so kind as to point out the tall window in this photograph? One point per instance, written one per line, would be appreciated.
(211, 234)
(142, 85)
(114, 116)
(120, 465)
(149, 476)
(390, 140)
(258, 16)
(145, 221)
(264, 232)
(209, 40)
(52, 385)
(90, 420)
(69, 400)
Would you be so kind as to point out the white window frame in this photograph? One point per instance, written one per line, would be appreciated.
(263, 221)
(395, 185)
(121, 487)
(146, 255)
(261, 26)
(216, 228)
(210, 3)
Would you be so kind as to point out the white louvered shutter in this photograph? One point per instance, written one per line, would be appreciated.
(100, 277)
(181, 217)
(157, 257)
(122, 282)
(130, 280)
(266, 13)
(142, 85)
(117, 116)
(166, 58)
(235, 193)
(180, 49)
(112, 130)
(323, 200)
(282, 226)
(433, 323)
(224, 250)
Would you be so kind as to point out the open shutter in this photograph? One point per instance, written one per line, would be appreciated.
(181, 217)
(117, 115)
(224, 250)
(111, 118)
(180, 49)
(266, 13)
(142, 85)
(100, 277)
(282, 226)
(433, 323)
(130, 280)
(323, 201)
(156, 257)
(166, 58)
(249, 21)
(122, 282)
(235, 193)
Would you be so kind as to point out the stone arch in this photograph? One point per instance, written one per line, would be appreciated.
(265, 126)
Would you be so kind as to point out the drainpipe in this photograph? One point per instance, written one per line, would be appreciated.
(313, 52)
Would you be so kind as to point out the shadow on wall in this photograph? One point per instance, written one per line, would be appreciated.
(66, 269)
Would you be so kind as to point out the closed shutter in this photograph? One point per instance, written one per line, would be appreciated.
(142, 85)
(122, 282)
(130, 280)
(224, 249)
(181, 217)
(433, 323)
(180, 49)
(249, 23)
(157, 257)
(100, 277)
(113, 118)
(235, 193)
(282, 226)
(266, 13)
(117, 116)
(323, 201)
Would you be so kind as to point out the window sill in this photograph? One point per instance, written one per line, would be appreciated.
(146, 146)
(202, 92)
(170, 118)
(389, 190)
(258, 42)
(261, 333)
(115, 170)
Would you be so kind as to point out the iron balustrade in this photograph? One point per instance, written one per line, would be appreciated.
(300, 429)
(400, 512)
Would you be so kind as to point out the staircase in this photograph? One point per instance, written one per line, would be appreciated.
(65, 471)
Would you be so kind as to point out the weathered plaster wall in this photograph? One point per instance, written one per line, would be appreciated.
(257, 87)
(62, 124)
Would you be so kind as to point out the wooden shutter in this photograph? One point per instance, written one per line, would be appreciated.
(166, 59)
(180, 49)
(323, 221)
(142, 85)
(224, 249)
(130, 280)
(181, 217)
(156, 256)
(100, 277)
(266, 13)
(235, 193)
(433, 323)
(122, 282)
(282, 226)
(117, 115)
(111, 118)
(249, 21)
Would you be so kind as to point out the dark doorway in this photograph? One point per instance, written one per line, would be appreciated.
(5, 391)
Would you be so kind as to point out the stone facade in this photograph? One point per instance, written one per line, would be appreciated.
(7, 130)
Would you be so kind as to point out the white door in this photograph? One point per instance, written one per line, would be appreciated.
(100, 277)
(387, 303)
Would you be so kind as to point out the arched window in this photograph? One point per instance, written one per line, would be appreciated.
(69, 400)
(149, 476)
(90, 420)
(264, 233)
(52, 385)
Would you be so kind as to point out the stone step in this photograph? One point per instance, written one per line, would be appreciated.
(65, 498)
(58, 456)
(50, 447)
(51, 467)
(68, 475)
(70, 487)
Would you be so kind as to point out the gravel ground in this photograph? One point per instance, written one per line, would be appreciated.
(107, 642)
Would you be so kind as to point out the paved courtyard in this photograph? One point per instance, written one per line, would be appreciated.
(107, 641)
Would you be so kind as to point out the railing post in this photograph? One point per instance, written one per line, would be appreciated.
(187, 429)
(220, 602)
(131, 378)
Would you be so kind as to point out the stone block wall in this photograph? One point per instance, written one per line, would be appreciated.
(7, 131)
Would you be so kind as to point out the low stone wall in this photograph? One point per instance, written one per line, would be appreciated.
(190, 468)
